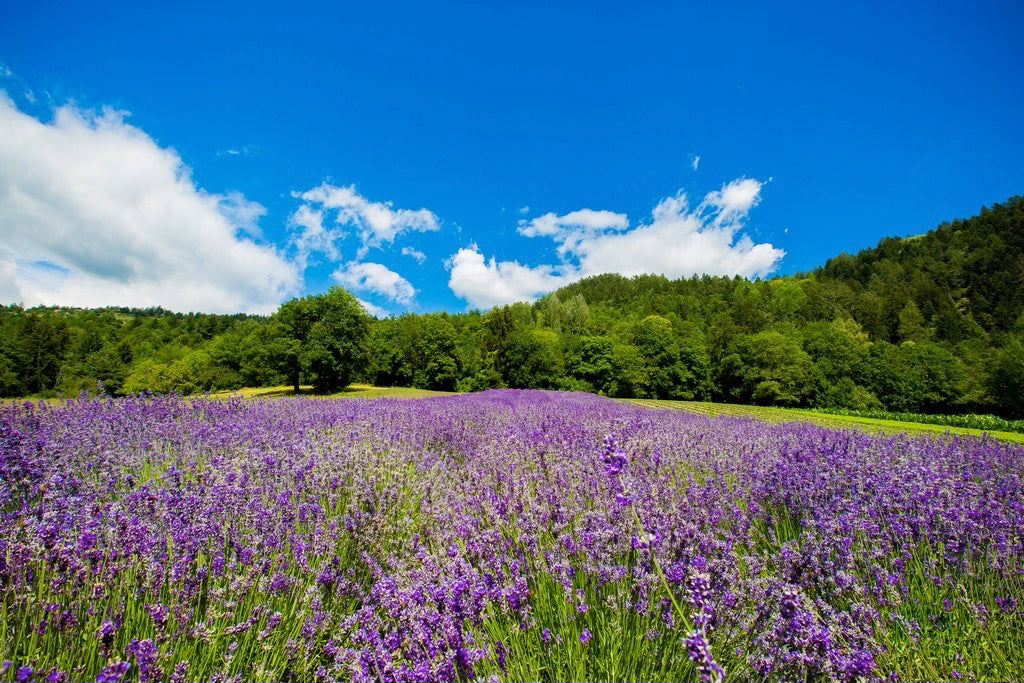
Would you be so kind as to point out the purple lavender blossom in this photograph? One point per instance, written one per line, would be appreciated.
(180, 673)
(145, 653)
(113, 673)
(700, 653)
(106, 634)
(388, 532)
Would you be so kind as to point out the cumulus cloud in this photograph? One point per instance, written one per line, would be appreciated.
(10, 292)
(93, 212)
(309, 236)
(677, 242)
(376, 278)
(572, 229)
(695, 162)
(243, 214)
(488, 283)
(376, 222)
(733, 202)
(415, 253)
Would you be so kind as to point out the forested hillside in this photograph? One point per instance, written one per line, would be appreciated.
(48, 350)
(933, 323)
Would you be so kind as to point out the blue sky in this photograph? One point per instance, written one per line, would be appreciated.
(443, 156)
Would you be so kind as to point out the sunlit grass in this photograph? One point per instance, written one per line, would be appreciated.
(773, 414)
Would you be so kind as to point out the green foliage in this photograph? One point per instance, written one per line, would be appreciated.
(915, 377)
(934, 324)
(676, 361)
(108, 367)
(912, 324)
(589, 361)
(656, 343)
(437, 351)
(34, 350)
(748, 308)
(330, 331)
(844, 393)
(532, 359)
(388, 352)
(839, 351)
(986, 422)
(577, 315)
(629, 372)
(694, 363)
(787, 299)
(1006, 377)
(767, 368)
(418, 351)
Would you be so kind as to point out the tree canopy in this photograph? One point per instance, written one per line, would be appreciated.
(928, 323)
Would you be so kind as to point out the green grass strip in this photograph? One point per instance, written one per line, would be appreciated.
(772, 414)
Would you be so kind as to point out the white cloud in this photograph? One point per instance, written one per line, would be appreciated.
(242, 213)
(677, 242)
(733, 202)
(415, 253)
(10, 292)
(572, 229)
(485, 284)
(309, 236)
(373, 309)
(376, 278)
(245, 150)
(376, 222)
(695, 162)
(583, 220)
(93, 212)
(524, 210)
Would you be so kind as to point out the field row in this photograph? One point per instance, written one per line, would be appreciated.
(503, 535)
(772, 414)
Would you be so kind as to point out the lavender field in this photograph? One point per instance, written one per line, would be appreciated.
(498, 536)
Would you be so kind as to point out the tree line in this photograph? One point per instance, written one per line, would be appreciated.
(933, 323)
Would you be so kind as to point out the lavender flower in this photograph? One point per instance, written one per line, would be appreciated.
(145, 653)
(700, 653)
(391, 536)
(113, 673)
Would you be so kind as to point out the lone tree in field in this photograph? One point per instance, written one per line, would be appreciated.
(322, 337)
